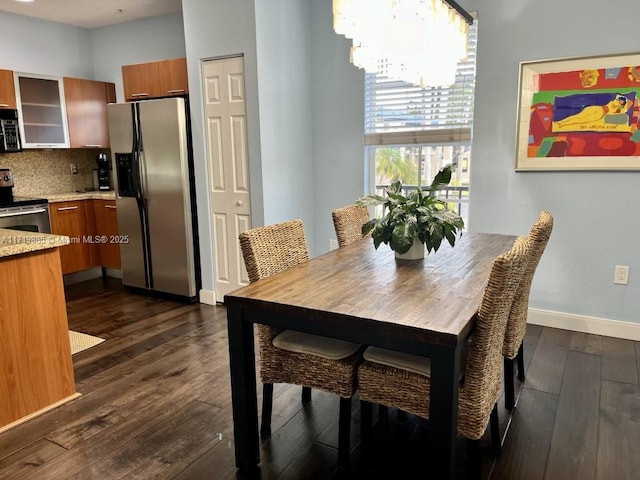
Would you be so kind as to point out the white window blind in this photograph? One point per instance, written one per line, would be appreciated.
(400, 113)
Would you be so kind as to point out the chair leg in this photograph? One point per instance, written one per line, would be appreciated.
(366, 428)
(306, 394)
(267, 406)
(383, 412)
(520, 358)
(509, 395)
(473, 452)
(495, 431)
(402, 416)
(344, 433)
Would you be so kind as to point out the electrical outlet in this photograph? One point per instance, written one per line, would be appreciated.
(621, 275)
(333, 244)
(74, 168)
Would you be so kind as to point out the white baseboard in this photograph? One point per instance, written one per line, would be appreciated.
(584, 324)
(208, 297)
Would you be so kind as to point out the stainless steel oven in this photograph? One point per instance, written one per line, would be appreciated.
(21, 213)
(31, 218)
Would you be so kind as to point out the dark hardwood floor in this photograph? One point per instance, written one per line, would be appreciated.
(156, 404)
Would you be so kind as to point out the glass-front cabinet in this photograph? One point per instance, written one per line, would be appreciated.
(42, 115)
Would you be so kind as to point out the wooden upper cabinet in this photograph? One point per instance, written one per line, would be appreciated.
(141, 81)
(173, 77)
(7, 90)
(86, 102)
(155, 79)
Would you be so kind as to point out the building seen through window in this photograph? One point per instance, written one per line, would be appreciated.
(412, 132)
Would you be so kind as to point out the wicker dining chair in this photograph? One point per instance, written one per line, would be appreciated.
(403, 381)
(517, 325)
(288, 356)
(348, 222)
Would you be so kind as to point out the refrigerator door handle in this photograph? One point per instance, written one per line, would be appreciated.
(137, 153)
(141, 197)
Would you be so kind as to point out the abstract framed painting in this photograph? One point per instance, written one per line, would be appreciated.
(579, 114)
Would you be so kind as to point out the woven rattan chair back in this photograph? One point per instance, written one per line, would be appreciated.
(266, 251)
(517, 325)
(348, 222)
(483, 372)
(274, 248)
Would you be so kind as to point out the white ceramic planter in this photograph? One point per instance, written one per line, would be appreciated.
(416, 252)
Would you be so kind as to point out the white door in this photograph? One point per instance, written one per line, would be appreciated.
(226, 135)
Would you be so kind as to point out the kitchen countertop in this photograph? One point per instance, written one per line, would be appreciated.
(16, 242)
(66, 197)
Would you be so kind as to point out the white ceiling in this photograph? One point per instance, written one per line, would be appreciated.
(91, 13)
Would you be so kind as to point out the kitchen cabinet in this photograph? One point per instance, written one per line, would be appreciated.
(76, 221)
(86, 102)
(141, 81)
(106, 227)
(42, 113)
(173, 77)
(7, 90)
(155, 79)
(36, 370)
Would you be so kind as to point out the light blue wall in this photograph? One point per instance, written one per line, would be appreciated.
(338, 123)
(45, 48)
(140, 41)
(217, 28)
(596, 213)
(284, 82)
(48, 48)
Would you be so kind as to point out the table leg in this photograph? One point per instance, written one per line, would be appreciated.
(443, 411)
(243, 389)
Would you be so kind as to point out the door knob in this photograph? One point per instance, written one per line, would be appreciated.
(239, 203)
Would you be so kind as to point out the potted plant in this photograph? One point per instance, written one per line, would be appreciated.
(413, 221)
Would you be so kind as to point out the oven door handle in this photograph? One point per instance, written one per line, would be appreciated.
(28, 212)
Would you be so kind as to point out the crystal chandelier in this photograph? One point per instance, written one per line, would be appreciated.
(417, 41)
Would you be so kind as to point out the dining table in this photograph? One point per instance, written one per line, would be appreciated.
(357, 293)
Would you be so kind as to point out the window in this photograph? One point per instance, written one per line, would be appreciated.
(412, 132)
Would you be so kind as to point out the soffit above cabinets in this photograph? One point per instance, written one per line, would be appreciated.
(91, 13)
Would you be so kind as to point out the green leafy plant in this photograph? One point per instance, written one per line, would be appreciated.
(418, 215)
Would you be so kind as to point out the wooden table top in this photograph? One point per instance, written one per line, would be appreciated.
(357, 287)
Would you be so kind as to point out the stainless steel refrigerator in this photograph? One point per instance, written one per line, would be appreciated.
(153, 173)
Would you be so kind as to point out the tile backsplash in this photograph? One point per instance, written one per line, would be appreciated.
(46, 172)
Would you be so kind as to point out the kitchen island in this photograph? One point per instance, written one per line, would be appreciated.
(36, 371)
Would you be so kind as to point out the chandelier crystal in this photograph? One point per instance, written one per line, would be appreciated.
(417, 41)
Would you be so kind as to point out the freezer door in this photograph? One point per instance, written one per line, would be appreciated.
(165, 186)
(121, 133)
(132, 256)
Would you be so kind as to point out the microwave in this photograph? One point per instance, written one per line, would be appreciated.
(9, 131)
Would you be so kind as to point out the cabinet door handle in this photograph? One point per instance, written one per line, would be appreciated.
(139, 94)
(93, 146)
(62, 209)
(3, 105)
(110, 206)
(179, 90)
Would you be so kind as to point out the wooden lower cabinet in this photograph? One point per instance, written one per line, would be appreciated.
(92, 226)
(36, 371)
(106, 222)
(74, 220)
